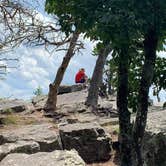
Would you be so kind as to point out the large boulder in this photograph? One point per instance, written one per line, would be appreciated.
(68, 95)
(55, 158)
(154, 146)
(39, 102)
(43, 134)
(89, 139)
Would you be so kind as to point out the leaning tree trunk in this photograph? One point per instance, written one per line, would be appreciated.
(124, 114)
(150, 46)
(50, 105)
(96, 80)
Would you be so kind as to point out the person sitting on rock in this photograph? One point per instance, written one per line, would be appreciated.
(81, 76)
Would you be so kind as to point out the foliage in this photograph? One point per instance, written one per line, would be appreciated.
(7, 111)
(115, 129)
(9, 120)
(116, 21)
(99, 20)
(159, 79)
(152, 14)
(38, 91)
(135, 69)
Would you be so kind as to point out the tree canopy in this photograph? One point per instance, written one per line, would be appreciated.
(125, 24)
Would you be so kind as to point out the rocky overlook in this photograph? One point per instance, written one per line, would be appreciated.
(76, 136)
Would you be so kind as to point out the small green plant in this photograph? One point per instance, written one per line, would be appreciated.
(10, 119)
(7, 111)
(116, 130)
(3, 98)
(38, 91)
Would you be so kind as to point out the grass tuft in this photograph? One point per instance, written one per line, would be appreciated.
(10, 119)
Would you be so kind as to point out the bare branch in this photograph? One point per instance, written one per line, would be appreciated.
(20, 24)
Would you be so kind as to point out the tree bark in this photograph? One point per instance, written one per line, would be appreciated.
(124, 114)
(92, 99)
(50, 105)
(150, 46)
(110, 90)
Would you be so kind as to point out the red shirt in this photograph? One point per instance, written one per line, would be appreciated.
(80, 75)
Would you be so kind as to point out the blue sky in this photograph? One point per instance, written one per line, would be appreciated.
(36, 67)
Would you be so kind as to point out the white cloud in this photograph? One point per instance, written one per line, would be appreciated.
(162, 54)
(33, 83)
(162, 95)
(37, 67)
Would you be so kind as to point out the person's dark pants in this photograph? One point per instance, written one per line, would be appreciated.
(81, 81)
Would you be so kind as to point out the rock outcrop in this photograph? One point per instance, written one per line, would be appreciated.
(80, 130)
(154, 147)
(55, 158)
(68, 96)
(28, 147)
(15, 105)
(29, 139)
(89, 139)
(68, 89)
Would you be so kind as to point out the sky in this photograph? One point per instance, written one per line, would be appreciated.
(36, 67)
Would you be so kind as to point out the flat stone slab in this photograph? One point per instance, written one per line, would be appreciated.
(14, 105)
(70, 88)
(43, 134)
(55, 158)
(19, 147)
(89, 139)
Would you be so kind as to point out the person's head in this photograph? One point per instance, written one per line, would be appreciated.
(82, 70)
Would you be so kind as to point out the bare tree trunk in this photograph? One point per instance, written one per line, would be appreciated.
(110, 90)
(158, 97)
(150, 46)
(124, 114)
(50, 105)
(96, 80)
